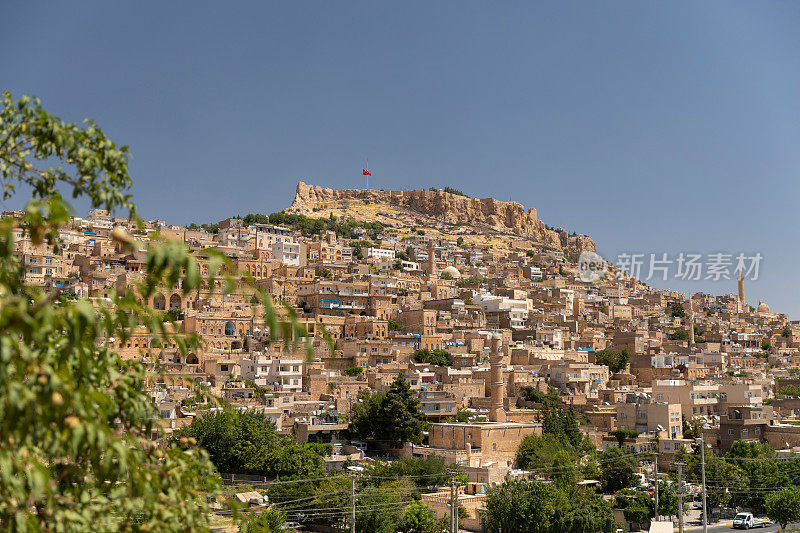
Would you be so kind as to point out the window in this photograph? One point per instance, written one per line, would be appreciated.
(744, 432)
(730, 432)
(494, 446)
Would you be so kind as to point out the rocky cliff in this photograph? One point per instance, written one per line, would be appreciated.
(485, 214)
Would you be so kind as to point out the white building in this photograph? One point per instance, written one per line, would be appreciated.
(281, 374)
(267, 235)
(287, 253)
(384, 266)
(381, 254)
(517, 309)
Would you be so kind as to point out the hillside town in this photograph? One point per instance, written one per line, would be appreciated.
(487, 323)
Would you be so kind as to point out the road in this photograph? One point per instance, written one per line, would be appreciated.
(725, 526)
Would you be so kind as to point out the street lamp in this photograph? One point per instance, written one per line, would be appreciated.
(700, 442)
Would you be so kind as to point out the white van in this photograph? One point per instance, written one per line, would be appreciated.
(743, 521)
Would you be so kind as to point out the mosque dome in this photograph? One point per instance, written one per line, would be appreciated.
(453, 271)
(762, 307)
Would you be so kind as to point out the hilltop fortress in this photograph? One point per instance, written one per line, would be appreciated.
(436, 208)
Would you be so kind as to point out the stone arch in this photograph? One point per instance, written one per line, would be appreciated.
(191, 359)
(159, 302)
(175, 301)
(230, 328)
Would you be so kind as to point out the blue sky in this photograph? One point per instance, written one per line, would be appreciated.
(652, 127)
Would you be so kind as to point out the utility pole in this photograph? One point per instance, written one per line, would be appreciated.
(453, 504)
(703, 474)
(655, 470)
(352, 503)
(680, 496)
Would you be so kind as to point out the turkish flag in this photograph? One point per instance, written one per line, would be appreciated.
(365, 172)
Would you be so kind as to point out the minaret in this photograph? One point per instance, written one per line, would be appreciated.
(430, 265)
(740, 305)
(691, 325)
(497, 413)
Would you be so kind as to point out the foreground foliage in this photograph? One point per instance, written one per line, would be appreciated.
(76, 423)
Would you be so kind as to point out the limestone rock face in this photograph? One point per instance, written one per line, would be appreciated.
(448, 208)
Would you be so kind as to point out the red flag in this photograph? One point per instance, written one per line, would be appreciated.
(365, 172)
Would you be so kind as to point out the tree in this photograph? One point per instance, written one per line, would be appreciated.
(679, 335)
(789, 390)
(617, 469)
(615, 361)
(67, 294)
(538, 452)
(638, 506)
(235, 440)
(787, 331)
(272, 520)
(75, 419)
(622, 434)
(536, 507)
(381, 507)
(455, 191)
(668, 502)
(292, 460)
(690, 429)
(392, 325)
(520, 506)
(393, 417)
(676, 310)
(174, 314)
(532, 394)
(562, 424)
(427, 473)
(419, 518)
(783, 506)
(462, 415)
(726, 473)
(564, 470)
(433, 357)
(246, 442)
(74, 416)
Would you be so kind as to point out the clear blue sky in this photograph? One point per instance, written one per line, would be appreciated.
(652, 127)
